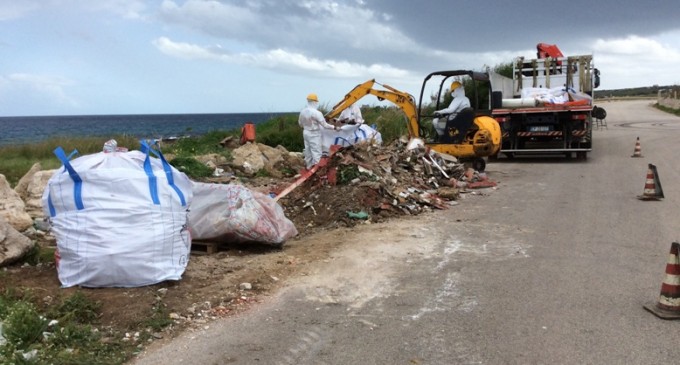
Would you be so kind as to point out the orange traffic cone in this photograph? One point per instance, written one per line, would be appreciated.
(638, 150)
(652, 189)
(668, 306)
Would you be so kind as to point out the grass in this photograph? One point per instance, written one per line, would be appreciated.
(667, 109)
(64, 334)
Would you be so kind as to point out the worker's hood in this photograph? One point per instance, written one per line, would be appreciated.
(460, 91)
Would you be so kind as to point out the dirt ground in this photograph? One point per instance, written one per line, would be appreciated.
(214, 285)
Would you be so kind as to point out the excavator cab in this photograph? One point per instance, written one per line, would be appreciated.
(472, 134)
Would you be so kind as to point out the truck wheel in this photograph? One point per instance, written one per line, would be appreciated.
(479, 164)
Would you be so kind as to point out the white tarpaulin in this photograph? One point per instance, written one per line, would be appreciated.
(349, 135)
(120, 219)
(232, 213)
(556, 95)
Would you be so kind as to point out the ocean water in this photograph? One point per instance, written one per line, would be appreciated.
(22, 130)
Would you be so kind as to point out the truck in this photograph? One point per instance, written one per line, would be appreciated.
(546, 108)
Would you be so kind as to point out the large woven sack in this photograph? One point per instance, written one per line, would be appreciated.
(233, 213)
(120, 219)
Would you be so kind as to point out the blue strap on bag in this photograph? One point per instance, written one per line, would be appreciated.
(77, 181)
(148, 149)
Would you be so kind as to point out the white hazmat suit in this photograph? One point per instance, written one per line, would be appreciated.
(311, 120)
(351, 115)
(459, 102)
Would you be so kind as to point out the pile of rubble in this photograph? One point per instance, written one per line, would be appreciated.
(369, 182)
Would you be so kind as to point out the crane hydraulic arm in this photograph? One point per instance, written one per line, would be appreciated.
(403, 100)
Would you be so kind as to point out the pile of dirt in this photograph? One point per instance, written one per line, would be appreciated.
(368, 183)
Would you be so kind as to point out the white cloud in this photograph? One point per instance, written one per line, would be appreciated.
(47, 89)
(282, 60)
(12, 9)
(636, 61)
(321, 26)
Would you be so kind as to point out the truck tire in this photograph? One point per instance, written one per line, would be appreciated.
(496, 99)
(479, 164)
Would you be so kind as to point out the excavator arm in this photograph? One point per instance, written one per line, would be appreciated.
(401, 99)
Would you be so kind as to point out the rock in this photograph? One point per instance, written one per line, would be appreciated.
(36, 186)
(248, 158)
(448, 193)
(245, 286)
(13, 245)
(253, 157)
(22, 186)
(212, 160)
(12, 208)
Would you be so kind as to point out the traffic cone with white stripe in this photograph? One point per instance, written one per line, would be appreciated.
(668, 306)
(653, 190)
(638, 149)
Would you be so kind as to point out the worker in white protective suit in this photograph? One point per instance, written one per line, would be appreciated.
(459, 102)
(311, 121)
(351, 115)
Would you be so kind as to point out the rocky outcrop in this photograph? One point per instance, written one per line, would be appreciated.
(30, 189)
(253, 157)
(13, 245)
(22, 186)
(12, 207)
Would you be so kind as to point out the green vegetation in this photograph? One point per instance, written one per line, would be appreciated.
(64, 334)
(648, 91)
(17, 159)
(191, 166)
(667, 109)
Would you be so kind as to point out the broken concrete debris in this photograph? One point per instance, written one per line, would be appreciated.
(396, 179)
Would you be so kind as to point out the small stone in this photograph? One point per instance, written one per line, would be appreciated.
(245, 286)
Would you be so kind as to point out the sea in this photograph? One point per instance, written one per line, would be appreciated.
(26, 130)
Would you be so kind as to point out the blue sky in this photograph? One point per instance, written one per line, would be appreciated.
(73, 57)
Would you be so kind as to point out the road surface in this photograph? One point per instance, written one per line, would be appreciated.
(553, 267)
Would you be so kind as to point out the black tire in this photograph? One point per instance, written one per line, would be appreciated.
(599, 113)
(479, 164)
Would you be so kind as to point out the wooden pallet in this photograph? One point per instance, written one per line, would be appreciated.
(204, 248)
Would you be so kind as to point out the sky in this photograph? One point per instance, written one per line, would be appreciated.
(84, 57)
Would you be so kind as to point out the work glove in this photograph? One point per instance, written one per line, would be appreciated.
(437, 114)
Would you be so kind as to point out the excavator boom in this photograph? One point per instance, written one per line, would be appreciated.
(403, 100)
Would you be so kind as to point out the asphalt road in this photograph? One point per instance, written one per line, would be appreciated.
(552, 268)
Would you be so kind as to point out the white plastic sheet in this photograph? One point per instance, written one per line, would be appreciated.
(120, 219)
(555, 95)
(233, 213)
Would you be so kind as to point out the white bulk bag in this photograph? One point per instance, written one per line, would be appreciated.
(349, 135)
(232, 213)
(120, 219)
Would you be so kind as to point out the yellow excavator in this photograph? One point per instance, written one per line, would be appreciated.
(470, 137)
